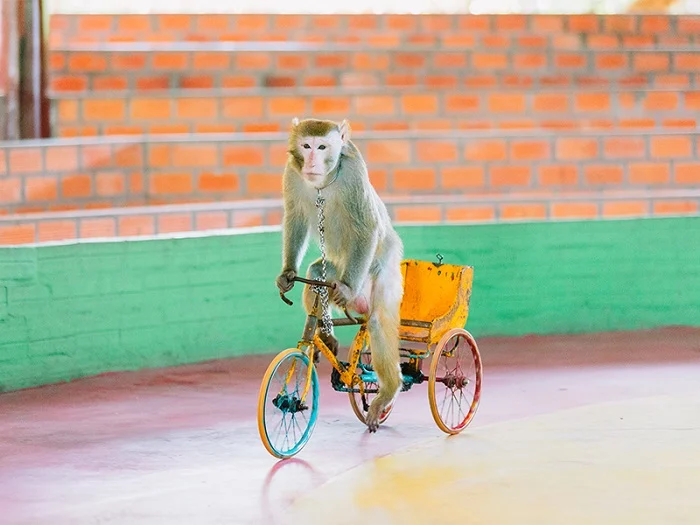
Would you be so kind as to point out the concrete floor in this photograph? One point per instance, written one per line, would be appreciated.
(601, 428)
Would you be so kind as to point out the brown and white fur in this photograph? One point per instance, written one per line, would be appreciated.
(363, 250)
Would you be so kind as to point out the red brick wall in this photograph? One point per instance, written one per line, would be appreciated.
(375, 109)
(381, 30)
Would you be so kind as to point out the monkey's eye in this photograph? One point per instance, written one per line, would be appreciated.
(322, 147)
(306, 146)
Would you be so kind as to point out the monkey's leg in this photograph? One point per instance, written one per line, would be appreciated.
(383, 328)
(309, 296)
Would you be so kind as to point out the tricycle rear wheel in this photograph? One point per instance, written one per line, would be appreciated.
(454, 383)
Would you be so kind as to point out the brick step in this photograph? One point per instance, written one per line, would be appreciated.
(107, 172)
(592, 30)
(253, 110)
(124, 67)
(196, 219)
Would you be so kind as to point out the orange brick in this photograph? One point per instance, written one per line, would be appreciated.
(278, 155)
(523, 211)
(530, 60)
(414, 179)
(264, 183)
(458, 41)
(17, 234)
(3, 160)
(108, 184)
(245, 156)
(576, 148)
(671, 147)
(69, 83)
(530, 150)
(654, 24)
(603, 174)
(134, 23)
(409, 60)
(584, 23)
(330, 105)
(170, 183)
(41, 189)
(174, 22)
(592, 102)
(150, 108)
(675, 208)
(511, 23)
(489, 61)
(417, 214)
(388, 152)
(127, 61)
(378, 179)
(436, 151)
(375, 105)
(687, 173)
(649, 173)
(152, 83)
(97, 227)
(10, 190)
(370, 61)
(419, 104)
(462, 177)
(485, 150)
(57, 230)
(625, 209)
(67, 110)
(174, 222)
(551, 102)
(102, 23)
(235, 107)
(547, 23)
(394, 80)
(624, 147)
(400, 21)
(570, 60)
(692, 100)
(510, 175)
(611, 61)
(25, 160)
(76, 186)
(290, 106)
(474, 22)
(57, 60)
(679, 123)
(219, 61)
(211, 220)
(558, 175)
(506, 103)
(134, 225)
(186, 155)
(170, 61)
(80, 62)
(197, 108)
(450, 60)
(62, 158)
(252, 218)
(110, 83)
(470, 213)
(128, 156)
(104, 109)
(332, 61)
(687, 62)
(661, 101)
(574, 210)
(93, 156)
(651, 62)
(197, 82)
(252, 22)
(218, 182)
(461, 103)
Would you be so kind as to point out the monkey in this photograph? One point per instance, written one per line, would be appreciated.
(364, 251)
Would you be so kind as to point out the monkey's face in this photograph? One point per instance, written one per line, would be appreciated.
(320, 156)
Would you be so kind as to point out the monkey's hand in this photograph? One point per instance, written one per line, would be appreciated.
(285, 280)
(341, 294)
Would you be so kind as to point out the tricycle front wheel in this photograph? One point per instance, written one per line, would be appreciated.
(286, 419)
(360, 401)
(454, 383)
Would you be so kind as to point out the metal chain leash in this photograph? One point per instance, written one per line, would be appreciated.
(326, 322)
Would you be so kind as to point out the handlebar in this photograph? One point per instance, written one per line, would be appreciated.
(314, 282)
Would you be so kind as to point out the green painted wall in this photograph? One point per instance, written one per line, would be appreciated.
(75, 310)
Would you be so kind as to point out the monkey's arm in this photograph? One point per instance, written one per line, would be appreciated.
(361, 246)
(295, 238)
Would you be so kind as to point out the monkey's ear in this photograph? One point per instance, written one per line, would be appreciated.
(295, 122)
(345, 131)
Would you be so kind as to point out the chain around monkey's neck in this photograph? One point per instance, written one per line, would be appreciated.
(335, 175)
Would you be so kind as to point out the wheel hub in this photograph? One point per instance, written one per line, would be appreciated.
(289, 403)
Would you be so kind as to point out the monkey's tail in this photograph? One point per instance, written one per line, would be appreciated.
(383, 328)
